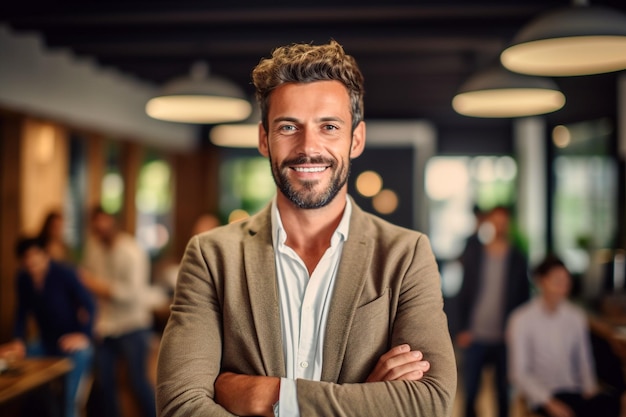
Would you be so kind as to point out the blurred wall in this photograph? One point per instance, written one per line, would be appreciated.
(43, 170)
(56, 84)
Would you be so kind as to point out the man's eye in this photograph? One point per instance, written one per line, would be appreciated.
(288, 128)
(330, 127)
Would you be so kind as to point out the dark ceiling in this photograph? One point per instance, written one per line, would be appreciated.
(413, 54)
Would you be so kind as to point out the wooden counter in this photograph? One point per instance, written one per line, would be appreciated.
(30, 374)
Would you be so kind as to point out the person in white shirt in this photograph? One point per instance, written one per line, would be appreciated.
(117, 271)
(550, 359)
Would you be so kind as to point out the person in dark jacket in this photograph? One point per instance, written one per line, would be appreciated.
(495, 281)
(63, 310)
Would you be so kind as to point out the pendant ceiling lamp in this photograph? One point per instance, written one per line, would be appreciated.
(238, 135)
(570, 41)
(499, 93)
(199, 98)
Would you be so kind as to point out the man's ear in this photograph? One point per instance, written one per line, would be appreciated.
(358, 141)
(263, 145)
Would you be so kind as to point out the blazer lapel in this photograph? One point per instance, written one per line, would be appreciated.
(353, 269)
(260, 272)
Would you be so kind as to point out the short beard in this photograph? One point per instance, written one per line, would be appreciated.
(306, 198)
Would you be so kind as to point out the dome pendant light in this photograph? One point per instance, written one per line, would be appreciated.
(199, 99)
(238, 135)
(499, 93)
(570, 41)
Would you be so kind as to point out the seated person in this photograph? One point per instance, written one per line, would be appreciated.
(63, 310)
(550, 358)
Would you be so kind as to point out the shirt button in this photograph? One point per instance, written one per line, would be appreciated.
(304, 364)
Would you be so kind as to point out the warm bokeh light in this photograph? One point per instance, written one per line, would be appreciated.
(237, 215)
(445, 178)
(508, 102)
(45, 143)
(567, 56)
(198, 109)
(244, 135)
(385, 202)
(369, 183)
(561, 136)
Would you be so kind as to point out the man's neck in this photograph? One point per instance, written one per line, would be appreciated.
(498, 247)
(309, 230)
(550, 304)
(109, 241)
(39, 278)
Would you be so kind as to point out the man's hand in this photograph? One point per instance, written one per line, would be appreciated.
(12, 351)
(558, 408)
(98, 287)
(246, 395)
(72, 342)
(400, 363)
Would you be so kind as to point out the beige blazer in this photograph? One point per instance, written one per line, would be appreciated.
(225, 317)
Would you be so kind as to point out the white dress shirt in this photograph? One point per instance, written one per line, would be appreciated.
(126, 269)
(549, 351)
(304, 305)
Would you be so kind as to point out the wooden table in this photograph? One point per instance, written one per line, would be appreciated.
(30, 374)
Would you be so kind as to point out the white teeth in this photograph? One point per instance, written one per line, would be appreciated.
(317, 169)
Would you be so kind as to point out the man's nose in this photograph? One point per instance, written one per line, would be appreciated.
(309, 142)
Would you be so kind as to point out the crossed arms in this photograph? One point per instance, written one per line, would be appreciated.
(215, 358)
(246, 395)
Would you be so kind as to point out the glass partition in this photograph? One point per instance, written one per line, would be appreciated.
(584, 215)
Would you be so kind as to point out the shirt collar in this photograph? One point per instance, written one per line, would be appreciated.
(279, 235)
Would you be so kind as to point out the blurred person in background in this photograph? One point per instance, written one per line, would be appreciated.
(473, 243)
(551, 362)
(63, 310)
(495, 281)
(204, 223)
(117, 271)
(167, 270)
(51, 235)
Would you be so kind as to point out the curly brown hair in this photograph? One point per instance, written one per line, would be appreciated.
(305, 63)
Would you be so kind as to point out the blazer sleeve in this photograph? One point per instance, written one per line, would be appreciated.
(419, 321)
(191, 347)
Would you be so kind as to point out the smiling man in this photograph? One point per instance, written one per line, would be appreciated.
(311, 307)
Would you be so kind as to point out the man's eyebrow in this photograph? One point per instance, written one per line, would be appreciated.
(331, 119)
(318, 120)
(285, 119)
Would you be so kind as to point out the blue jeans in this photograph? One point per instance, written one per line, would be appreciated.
(81, 360)
(133, 348)
(475, 358)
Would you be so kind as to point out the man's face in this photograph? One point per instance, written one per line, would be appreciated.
(310, 141)
(556, 284)
(500, 221)
(35, 261)
(103, 226)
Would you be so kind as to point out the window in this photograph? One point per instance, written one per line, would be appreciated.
(154, 202)
(584, 214)
(454, 186)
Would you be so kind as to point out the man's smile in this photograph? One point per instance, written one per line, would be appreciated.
(309, 169)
